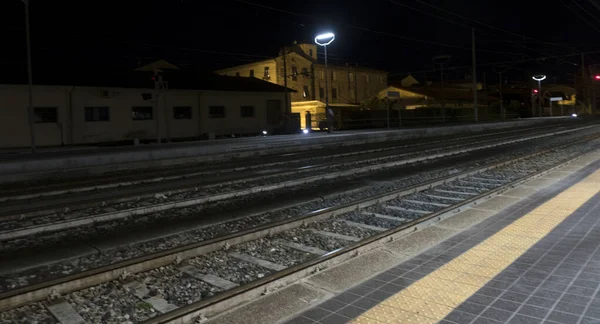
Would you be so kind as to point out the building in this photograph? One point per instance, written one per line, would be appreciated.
(299, 68)
(113, 107)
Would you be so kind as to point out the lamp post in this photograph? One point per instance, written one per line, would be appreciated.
(324, 40)
(539, 78)
(441, 60)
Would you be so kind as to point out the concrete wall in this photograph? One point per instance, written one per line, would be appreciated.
(14, 124)
(233, 121)
(71, 126)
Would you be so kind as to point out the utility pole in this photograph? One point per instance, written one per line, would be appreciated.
(474, 75)
(29, 77)
(485, 98)
(441, 60)
(285, 88)
(499, 71)
(583, 83)
(157, 85)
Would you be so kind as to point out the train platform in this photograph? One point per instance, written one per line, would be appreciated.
(528, 255)
(21, 165)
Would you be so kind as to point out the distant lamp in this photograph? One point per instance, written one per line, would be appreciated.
(325, 39)
(539, 78)
(574, 115)
(305, 131)
(264, 132)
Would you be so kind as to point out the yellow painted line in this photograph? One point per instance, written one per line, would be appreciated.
(436, 295)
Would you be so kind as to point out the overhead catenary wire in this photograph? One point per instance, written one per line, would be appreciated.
(578, 15)
(497, 63)
(491, 26)
(365, 29)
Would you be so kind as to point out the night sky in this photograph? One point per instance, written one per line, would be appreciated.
(397, 36)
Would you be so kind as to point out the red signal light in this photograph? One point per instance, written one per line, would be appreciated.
(597, 77)
(535, 90)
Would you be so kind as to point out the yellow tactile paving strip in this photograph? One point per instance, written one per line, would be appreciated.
(436, 295)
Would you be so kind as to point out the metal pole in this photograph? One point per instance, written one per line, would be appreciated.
(474, 75)
(388, 112)
(285, 88)
(443, 104)
(30, 78)
(540, 98)
(501, 99)
(583, 83)
(158, 139)
(329, 117)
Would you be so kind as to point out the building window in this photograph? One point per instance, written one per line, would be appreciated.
(45, 114)
(182, 112)
(247, 111)
(216, 112)
(306, 94)
(351, 77)
(294, 73)
(251, 74)
(333, 93)
(141, 113)
(96, 114)
(333, 75)
(367, 78)
(321, 75)
(267, 75)
(305, 71)
(321, 93)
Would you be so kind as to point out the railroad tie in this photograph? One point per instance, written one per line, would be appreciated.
(157, 302)
(302, 247)
(381, 216)
(443, 197)
(366, 226)
(65, 313)
(414, 211)
(456, 192)
(426, 203)
(208, 278)
(337, 236)
(488, 179)
(263, 263)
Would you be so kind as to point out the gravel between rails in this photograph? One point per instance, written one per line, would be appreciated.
(219, 263)
(205, 191)
(44, 273)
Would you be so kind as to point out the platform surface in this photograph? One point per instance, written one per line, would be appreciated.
(536, 261)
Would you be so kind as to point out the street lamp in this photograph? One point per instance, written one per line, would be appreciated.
(324, 40)
(539, 78)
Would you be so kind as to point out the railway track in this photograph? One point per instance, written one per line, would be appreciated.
(72, 213)
(186, 283)
(48, 188)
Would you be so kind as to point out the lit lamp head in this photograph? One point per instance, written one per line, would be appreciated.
(539, 77)
(324, 39)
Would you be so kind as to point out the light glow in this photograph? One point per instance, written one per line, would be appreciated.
(540, 77)
(264, 132)
(325, 39)
(574, 115)
(305, 131)
(597, 77)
